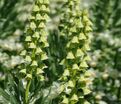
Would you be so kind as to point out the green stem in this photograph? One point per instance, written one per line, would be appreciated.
(29, 82)
(27, 92)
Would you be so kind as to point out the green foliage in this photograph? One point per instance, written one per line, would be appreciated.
(12, 19)
(47, 62)
(107, 13)
(106, 51)
(40, 66)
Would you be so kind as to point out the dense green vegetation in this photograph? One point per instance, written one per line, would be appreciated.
(60, 52)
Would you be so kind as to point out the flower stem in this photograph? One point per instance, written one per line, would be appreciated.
(27, 92)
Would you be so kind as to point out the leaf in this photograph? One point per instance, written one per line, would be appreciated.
(13, 99)
(118, 22)
(4, 94)
(6, 98)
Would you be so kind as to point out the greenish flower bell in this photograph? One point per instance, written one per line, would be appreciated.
(70, 55)
(36, 35)
(23, 71)
(28, 76)
(74, 98)
(65, 100)
(75, 40)
(44, 56)
(32, 45)
(38, 50)
(41, 25)
(28, 59)
(66, 72)
(36, 8)
(75, 67)
(75, 29)
(28, 39)
(86, 91)
(71, 84)
(38, 16)
(23, 53)
(34, 63)
(82, 36)
(79, 53)
(33, 25)
(83, 64)
(39, 71)
(43, 39)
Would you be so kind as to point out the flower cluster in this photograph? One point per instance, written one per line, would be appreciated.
(36, 42)
(74, 27)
